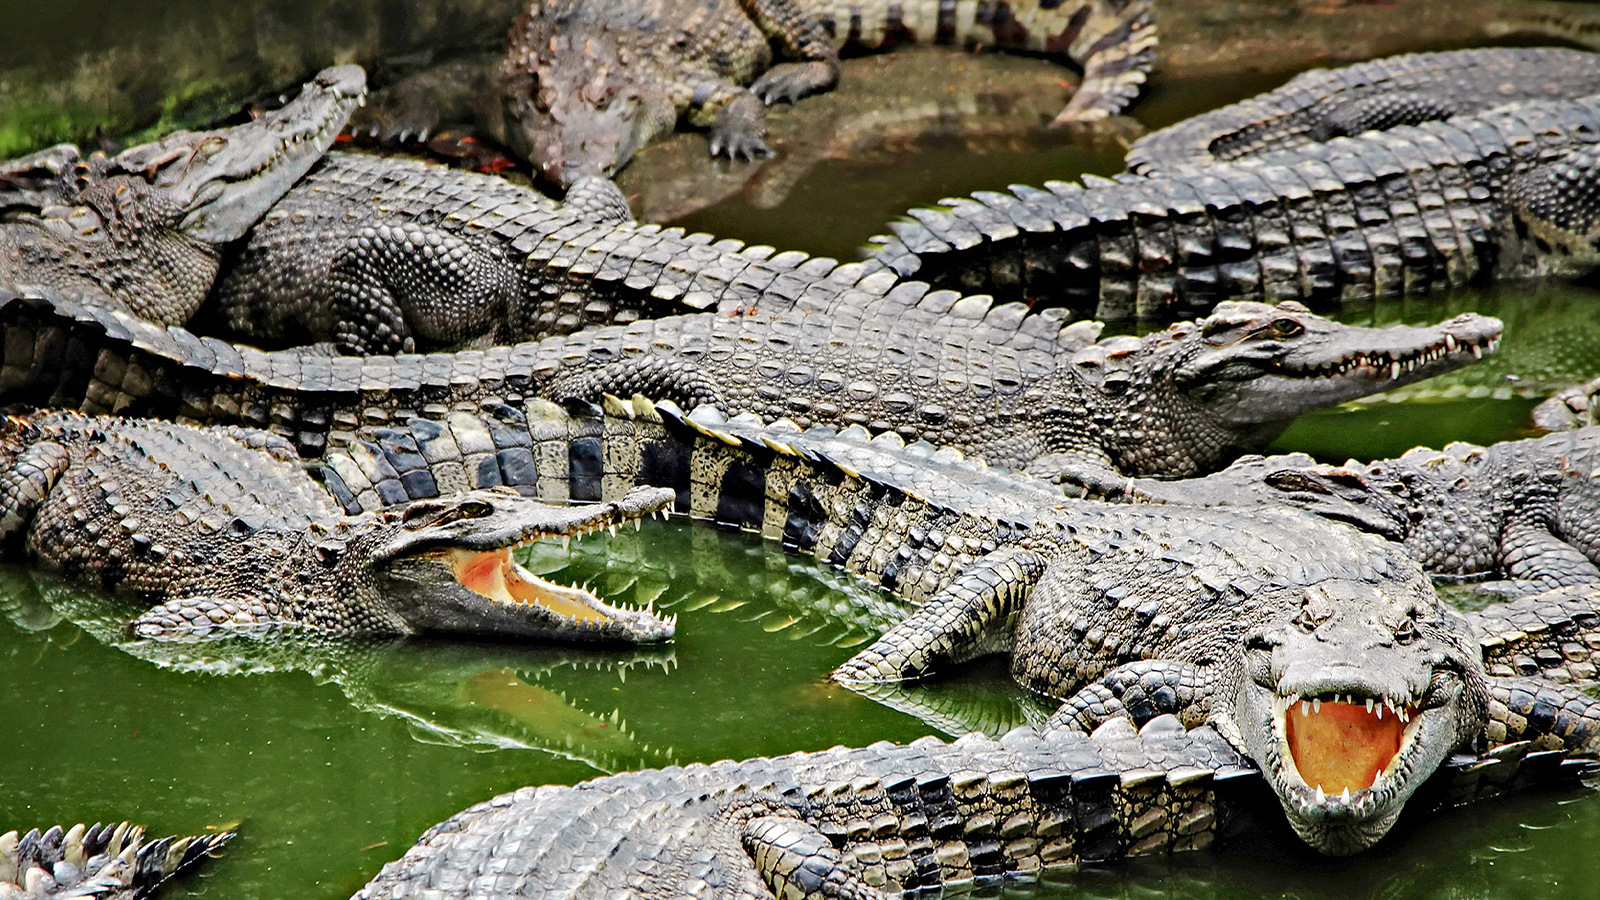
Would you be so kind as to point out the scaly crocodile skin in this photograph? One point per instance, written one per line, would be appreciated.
(1409, 89)
(1507, 193)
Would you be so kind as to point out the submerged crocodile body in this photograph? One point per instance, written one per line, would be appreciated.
(224, 528)
(107, 862)
(1018, 390)
(144, 230)
(1408, 89)
(586, 83)
(1524, 512)
(1399, 212)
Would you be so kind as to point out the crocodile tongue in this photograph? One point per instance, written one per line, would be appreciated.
(494, 574)
(1341, 746)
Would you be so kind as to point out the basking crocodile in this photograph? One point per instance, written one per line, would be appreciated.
(586, 83)
(143, 231)
(864, 822)
(1417, 208)
(1409, 89)
(109, 862)
(383, 255)
(888, 109)
(1526, 512)
(1022, 391)
(361, 253)
(971, 544)
(223, 528)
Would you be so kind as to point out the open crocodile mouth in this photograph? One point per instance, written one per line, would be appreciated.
(1345, 746)
(1384, 366)
(495, 575)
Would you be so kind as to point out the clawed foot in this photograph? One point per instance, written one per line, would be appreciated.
(740, 131)
(788, 82)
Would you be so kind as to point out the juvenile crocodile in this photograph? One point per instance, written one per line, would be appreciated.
(143, 231)
(223, 528)
(1408, 89)
(1022, 391)
(1525, 512)
(1502, 194)
(586, 83)
(971, 545)
(107, 862)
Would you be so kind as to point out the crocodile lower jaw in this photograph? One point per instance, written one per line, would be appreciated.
(495, 575)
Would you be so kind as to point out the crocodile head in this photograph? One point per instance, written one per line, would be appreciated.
(1233, 381)
(219, 182)
(1351, 704)
(573, 106)
(445, 564)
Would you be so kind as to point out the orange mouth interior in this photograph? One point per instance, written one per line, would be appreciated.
(495, 575)
(1341, 746)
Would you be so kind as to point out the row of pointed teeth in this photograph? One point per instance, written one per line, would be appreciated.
(1399, 710)
(610, 528)
(648, 607)
(1380, 362)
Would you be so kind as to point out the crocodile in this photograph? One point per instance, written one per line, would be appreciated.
(143, 230)
(889, 109)
(865, 822)
(113, 862)
(982, 542)
(1023, 391)
(224, 529)
(970, 544)
(586, 83)
(362, 254)
(1408, 89)
(372, 255)
(1522, 512)
(1501, 194)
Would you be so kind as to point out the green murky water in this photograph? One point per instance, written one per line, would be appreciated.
(334, 757)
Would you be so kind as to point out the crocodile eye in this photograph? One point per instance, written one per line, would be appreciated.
(209, 146)
(1407, 632)
(1307, 621)
(1286, 327)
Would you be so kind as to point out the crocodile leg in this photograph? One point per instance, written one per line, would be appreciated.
(26, 484)
(800, 37)
(972, 616)
(468, 289)
(798, 861)
(1139, 691)
(1536, 559)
